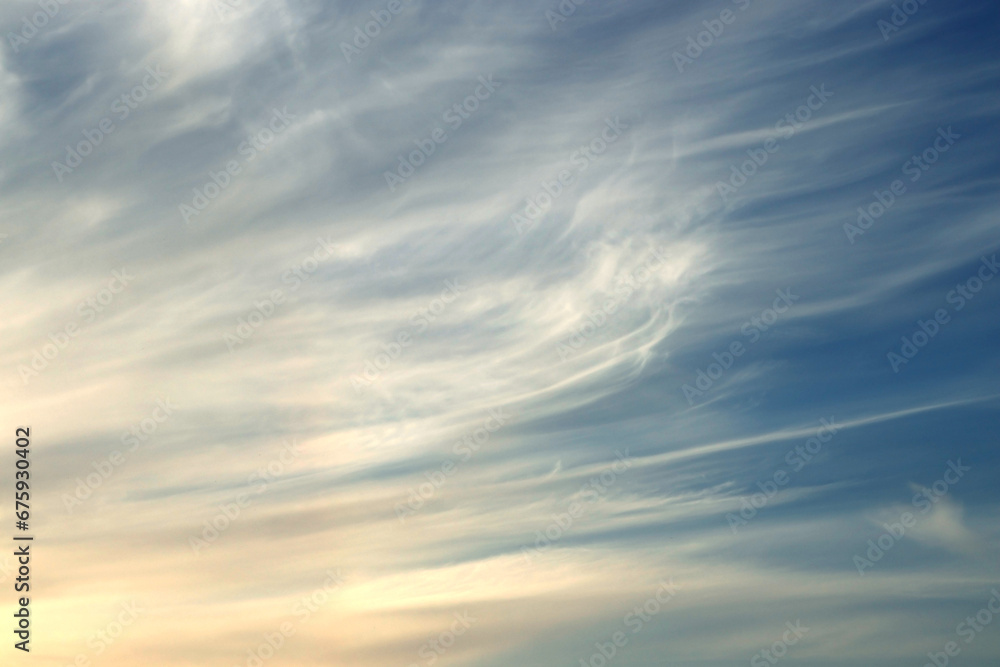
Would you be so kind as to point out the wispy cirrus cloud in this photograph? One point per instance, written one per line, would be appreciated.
(357, 262)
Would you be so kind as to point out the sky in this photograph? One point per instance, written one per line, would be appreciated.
(423, 332)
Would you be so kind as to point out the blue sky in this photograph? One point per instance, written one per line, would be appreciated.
(509, 312)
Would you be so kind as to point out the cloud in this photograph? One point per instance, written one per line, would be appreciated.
(377, 327)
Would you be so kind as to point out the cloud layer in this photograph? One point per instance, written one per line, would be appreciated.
(411, 332)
